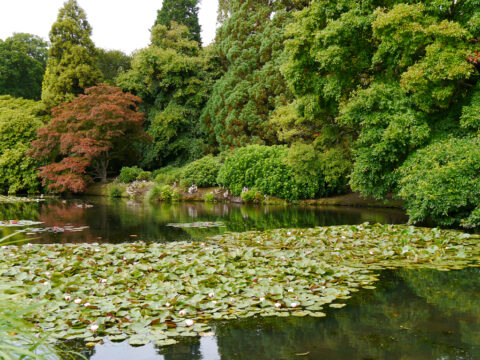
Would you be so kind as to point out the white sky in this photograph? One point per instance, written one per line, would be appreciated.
(117, 24)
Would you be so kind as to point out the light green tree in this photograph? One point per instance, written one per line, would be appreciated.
(71, 65)
(19, 121)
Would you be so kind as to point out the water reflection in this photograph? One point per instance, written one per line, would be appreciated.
(413, 314)
(122, 221)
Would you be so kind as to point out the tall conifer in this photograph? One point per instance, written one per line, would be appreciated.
(183, 12)
(71, 65)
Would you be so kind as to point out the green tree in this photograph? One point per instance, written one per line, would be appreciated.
(182, 12)
(381, 78)
(23, 59)
(19, 121)
(172, 78)
(250, 46)
(112, 63)
(72, 63)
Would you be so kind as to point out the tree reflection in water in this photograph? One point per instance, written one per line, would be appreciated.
(115, 220)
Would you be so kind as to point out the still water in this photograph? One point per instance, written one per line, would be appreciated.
(101, 220)
(412, 314)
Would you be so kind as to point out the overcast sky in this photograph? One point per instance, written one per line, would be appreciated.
(117, 24)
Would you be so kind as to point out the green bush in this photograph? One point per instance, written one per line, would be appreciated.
(114, 191)
(209, 197)
(129, 174)
(144, 176)
(267, 169)
(19, 121)
(163, 193)
(202, 172)
(252, 196)
(168, 175)
(440, 183)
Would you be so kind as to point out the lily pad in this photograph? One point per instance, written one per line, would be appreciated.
(158, 292)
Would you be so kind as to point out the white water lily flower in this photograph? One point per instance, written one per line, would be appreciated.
(211, 294)
(46, 283)
(290, 290)
(262, 299)
(47, 274)
(103, 280)
(293, 305)
(94, 328)
(77, 301)
(182, 313)
(167, 304)
(86, 304)
(289, 233)
(278, 305)
(308, 252)
(232, 300)
(68, 298)
(214, 302)
(189, 322)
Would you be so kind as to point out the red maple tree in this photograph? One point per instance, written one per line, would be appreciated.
(85, 135)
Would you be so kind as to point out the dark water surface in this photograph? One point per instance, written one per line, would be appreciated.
(100, 219)
(412, 314)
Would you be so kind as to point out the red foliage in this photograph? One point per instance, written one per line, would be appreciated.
(85, 135)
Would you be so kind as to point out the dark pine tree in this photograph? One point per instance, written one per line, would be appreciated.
(181, 11)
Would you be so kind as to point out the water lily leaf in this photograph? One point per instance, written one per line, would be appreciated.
(166, 342)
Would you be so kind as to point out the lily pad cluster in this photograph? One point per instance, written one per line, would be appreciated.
(56, 229)
(160, 292)
(14, 199)
(19, 223)
(205, 224)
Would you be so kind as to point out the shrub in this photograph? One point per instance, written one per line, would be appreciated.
(168, 175)
(163, 193)
(144, 176)
(114, 191)
(129, 174)
(209, 197)
(202, 172)
(440, 183)
(252, 196)
(266, 169)
(19, 121)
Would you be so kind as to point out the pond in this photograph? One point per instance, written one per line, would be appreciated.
(412, 314)
(102, 220)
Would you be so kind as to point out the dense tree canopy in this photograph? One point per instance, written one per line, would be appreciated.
(86, 135)
(112, 63)
(72, 63)
(182, 12)
(23, 59)
(386, 75)
(19, 121)
(170, 76)
(250, 45)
